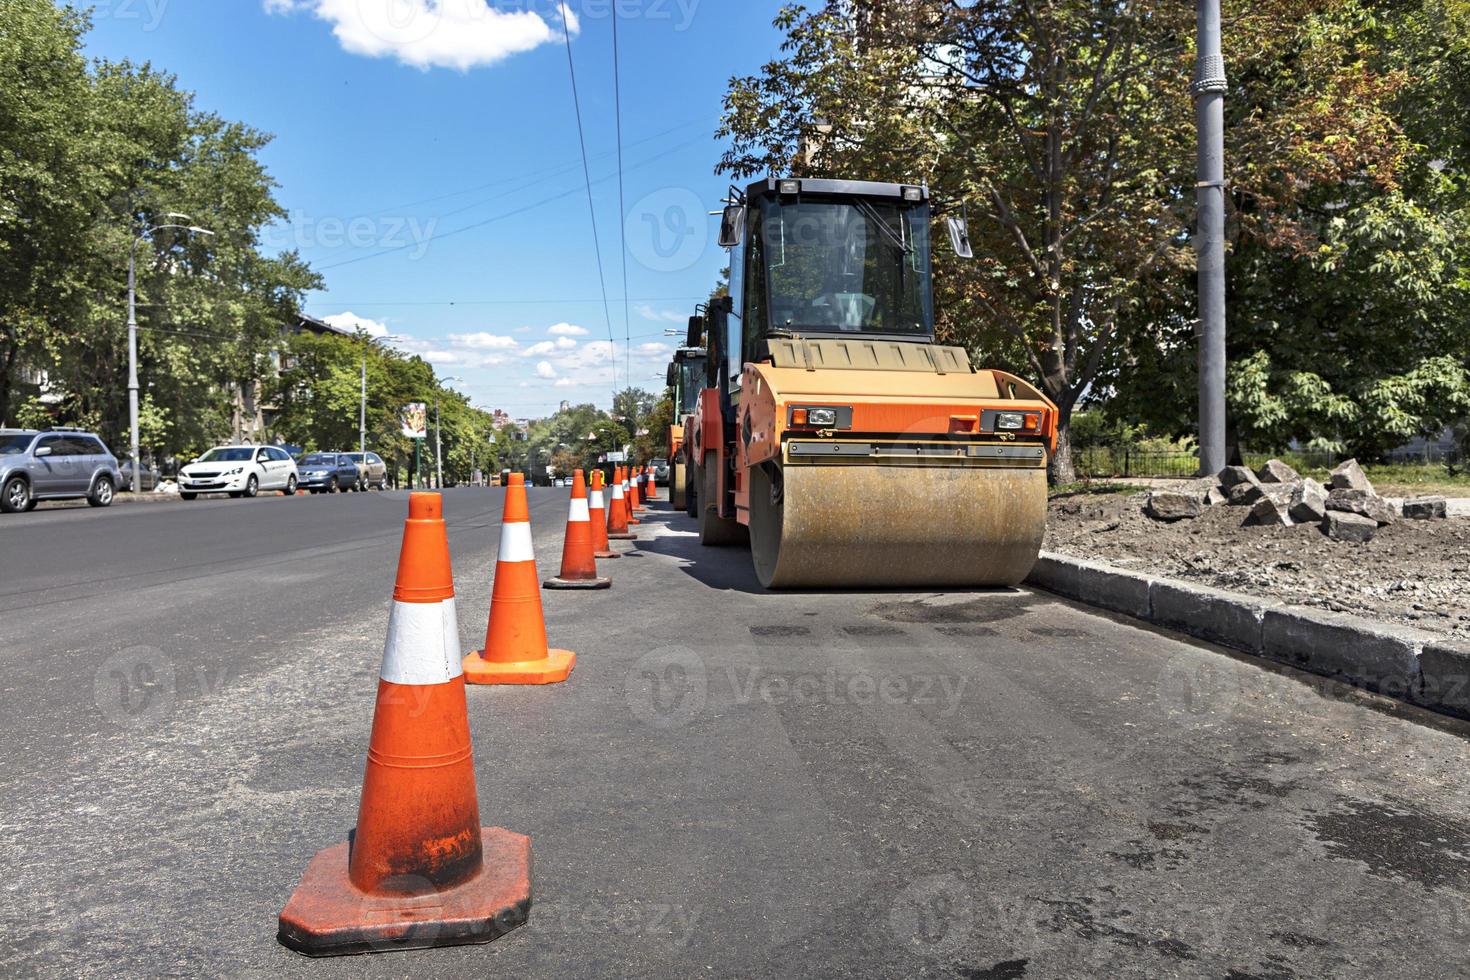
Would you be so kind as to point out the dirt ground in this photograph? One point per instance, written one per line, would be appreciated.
(1416, 573)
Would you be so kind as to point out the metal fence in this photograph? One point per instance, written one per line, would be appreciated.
(1123, 462)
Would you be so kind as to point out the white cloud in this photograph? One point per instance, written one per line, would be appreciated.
(565, 343)
(539, 350)
(651, 350)
(660, 316)
(459, 34)
(482, 341)
(567, 330)
(460, 358)
(545, 370)
(351, 321)
(564, 383)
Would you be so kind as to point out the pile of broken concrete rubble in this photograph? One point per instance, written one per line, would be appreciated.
(1347, 508)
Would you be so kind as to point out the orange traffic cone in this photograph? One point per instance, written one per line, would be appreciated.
(597, 510)
(515, 639)
(617, 511)
(650, 488)
(419, 870)
(578, 564)
(632, 497)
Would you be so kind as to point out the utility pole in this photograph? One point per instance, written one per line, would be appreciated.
(144, 231)
(438, 454)
(362, 415)
(1209, 90)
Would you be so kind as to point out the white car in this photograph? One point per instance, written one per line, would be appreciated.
(240, 471)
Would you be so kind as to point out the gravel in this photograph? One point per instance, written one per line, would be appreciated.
(1412, 572)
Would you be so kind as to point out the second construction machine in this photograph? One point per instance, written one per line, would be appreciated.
(833, 430)
(686, 378)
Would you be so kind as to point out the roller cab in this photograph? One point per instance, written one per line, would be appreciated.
(853, 448)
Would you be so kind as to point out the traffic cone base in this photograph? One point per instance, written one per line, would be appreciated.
(327, 916)
(555, 668)
(577, 583)
(622, 536)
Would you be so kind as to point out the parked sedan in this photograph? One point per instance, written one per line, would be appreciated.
(148, 477)
(240, 471)
(372, 472)
(328, 472)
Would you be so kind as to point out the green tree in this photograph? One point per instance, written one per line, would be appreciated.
(654, 442)
(1349, 333)
(1065, 130)
(88, 157)
(51, 177)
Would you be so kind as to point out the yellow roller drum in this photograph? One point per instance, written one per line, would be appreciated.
(898, 525)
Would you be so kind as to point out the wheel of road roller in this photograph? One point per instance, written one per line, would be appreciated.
(714, 529)
(829, 526)
(677, 492)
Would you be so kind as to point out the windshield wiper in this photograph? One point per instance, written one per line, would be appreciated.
(872, 214)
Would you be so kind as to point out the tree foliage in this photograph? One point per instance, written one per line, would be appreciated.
(1065, 130)
(1349, 333)
(319, 391)
(90, 156)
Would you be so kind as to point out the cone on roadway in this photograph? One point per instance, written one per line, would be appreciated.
(516, 651)
(578, 564)
(597, 510)
(632, 497)
(419, 870)
(650, 488)
(617, 511)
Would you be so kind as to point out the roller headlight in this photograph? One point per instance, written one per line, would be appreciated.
(1013, 421)
(822, 418)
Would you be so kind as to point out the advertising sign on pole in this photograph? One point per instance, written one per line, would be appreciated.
(415, 419)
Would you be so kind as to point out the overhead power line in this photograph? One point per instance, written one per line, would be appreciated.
(622, 205)
(566, 30)
(438, 237)
(557, 300)
(532, 178)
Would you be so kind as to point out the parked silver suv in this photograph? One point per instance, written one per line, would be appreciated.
(57, 465)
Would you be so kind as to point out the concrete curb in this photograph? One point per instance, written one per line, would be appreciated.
(1412, 665)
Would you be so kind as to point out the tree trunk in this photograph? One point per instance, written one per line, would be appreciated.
(1060, 469)
(7, 370)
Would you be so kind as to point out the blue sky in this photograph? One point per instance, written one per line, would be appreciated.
(427, 152)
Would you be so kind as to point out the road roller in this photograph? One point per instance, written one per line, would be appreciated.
(833, 433)
(686, 376)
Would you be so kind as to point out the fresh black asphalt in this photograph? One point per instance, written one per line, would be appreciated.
(732, 784)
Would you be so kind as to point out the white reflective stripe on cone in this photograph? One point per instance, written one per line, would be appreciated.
(423, 644)
(617, 491)
(597, 502)
(579, 511)
(515, 542)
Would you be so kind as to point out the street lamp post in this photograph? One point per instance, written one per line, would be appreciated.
(438, 447)
(147, 231)
(1209, 90)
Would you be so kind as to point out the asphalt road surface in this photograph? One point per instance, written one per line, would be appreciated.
(733, 783)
